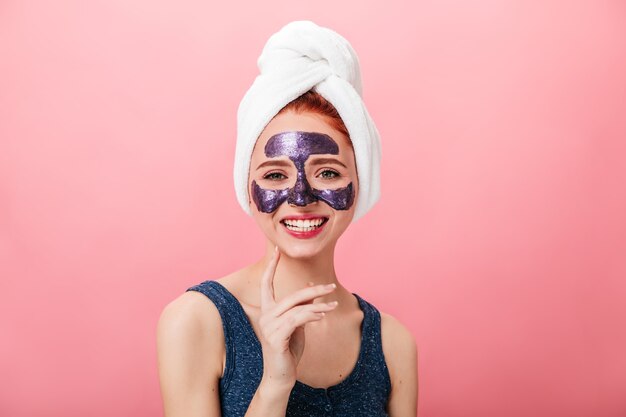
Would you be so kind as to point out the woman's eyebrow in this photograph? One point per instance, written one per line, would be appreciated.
(275, 162)
(324, 161)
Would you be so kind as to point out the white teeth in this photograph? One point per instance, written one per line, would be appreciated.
(303, 225)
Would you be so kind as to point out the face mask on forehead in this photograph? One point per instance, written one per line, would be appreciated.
(298, 146)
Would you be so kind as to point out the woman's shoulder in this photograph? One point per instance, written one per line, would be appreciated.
(188, 319)
(395, 331)
(193, 318)
(399, 346)
(188, 311)
(194, 309)
(190, 329)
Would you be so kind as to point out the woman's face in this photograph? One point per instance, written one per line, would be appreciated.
(303, 183)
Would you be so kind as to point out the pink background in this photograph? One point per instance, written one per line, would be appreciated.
(499, 239)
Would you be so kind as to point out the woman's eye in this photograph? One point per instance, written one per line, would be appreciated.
(274, 176)
(328, 174)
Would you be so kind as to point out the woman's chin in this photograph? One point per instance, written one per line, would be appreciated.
(300, 251)
(295, 249)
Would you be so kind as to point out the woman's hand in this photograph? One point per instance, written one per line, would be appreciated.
(282, 326)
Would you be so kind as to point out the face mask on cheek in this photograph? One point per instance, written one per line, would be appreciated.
(298, 146)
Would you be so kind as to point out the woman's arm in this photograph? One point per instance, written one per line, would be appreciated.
(190, 347)
(400, 352)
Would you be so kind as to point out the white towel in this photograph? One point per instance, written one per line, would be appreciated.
(303, 56)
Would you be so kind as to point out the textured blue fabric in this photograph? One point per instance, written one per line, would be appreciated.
(365, 392)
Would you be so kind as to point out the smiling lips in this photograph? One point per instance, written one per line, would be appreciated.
(304, 228)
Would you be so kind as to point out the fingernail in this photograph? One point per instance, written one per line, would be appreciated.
(310, 284)
(330, 286)
(333, 303)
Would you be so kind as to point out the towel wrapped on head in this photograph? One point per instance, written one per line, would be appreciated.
(303, 56)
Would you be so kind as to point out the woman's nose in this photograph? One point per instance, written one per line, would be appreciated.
(300, 194)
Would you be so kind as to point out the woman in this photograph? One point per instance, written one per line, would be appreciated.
(282, 336)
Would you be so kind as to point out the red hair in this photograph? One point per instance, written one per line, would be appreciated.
(315, 103)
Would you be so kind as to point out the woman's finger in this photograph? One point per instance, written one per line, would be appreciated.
(289, 320)
(302, 296)
(278, 338)
(267, 282)
(296, 318)
(271, 325)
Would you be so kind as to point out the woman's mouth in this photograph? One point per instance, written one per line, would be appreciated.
(304, 229)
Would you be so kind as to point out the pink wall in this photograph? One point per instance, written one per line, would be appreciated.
(499, 239)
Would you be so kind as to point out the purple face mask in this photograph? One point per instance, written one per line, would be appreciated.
(298, 146)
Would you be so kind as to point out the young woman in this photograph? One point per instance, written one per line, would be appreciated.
(282, 336)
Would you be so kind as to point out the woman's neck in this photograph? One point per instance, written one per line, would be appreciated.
(293, 274)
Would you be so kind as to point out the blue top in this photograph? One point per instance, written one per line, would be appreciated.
(364, 392)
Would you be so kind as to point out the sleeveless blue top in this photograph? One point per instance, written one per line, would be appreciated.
(364, 392)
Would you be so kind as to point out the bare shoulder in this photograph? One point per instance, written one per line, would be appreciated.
(397, 338)
(190, 351)
(189, 313)
(400, 350)
(191, 320)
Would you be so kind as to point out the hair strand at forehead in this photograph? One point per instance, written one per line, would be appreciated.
(313, 102)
